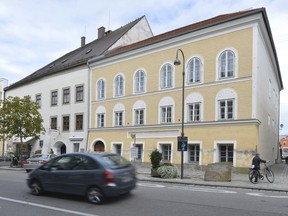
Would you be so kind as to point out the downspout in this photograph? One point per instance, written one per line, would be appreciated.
(89, 105)
(4, 97)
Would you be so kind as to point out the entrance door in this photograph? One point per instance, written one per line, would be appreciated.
(63, 149)
(99, 147)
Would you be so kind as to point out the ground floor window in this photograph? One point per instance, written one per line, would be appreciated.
(226, 152)
(194, 153)
(76, 147)
(117, 149)
(166, 152)
(140, 151)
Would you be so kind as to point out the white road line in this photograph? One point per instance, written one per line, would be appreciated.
(150, 185)
(47, 207)
(268, 196)
(207, 190)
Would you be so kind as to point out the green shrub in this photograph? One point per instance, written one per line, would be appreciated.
(155, 158)
(167, 170)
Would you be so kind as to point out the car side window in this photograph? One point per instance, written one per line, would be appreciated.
(63, 163)
(83, 163)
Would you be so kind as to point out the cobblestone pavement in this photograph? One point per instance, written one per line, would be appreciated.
(196, 177)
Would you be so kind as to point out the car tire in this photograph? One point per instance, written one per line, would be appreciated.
(36, 188)
(95, 195)
(28, 170)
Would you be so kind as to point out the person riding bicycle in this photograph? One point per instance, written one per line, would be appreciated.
(256, 164)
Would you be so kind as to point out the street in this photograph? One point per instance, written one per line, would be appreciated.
(147, 199)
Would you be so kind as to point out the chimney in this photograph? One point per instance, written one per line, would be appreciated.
(83, 41)
(101, 32)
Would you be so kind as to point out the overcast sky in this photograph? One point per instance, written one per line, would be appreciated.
(35, 32)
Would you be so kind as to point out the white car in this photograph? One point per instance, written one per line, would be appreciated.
(36, 160)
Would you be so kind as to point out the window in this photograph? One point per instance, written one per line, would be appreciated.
(76, 147)
(194, 112)
(226, 152)
(101, 89)
(100, 120)
(54, 98)
(139, 81)
(166, 152)
(166, 76)
(194, 70)
(38, 100)
(140, 151)
(118, 118)
(139, 117)
(193, 151)
(53, 124)
(226, 109)
(79, 122)
(118, 86)
(117, 148)
(66, 123)
(79, 93)
(66, 96)
(226, 64)
(166, 114)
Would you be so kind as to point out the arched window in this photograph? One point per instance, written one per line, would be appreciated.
(101, 89)
(194, 107)
(166, 110)
(166, 76)
(119, 115)
(139, 109)
(100, 116)
(194, 70)
(119, 86)
(139, 81)
(226, 64)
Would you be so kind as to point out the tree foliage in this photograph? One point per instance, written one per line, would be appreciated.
(19, 117)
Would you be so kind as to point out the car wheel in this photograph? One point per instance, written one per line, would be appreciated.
(28, 170)
(36, 188)
(95, 195)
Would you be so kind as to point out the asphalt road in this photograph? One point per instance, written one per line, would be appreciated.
(147, 199)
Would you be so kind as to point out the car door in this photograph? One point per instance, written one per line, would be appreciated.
(57, 175)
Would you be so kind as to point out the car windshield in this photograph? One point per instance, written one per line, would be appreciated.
(42, 156)
(115, 161)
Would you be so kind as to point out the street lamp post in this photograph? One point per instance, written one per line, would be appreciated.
(176, 63)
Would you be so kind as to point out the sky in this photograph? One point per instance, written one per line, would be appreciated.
(33, 33)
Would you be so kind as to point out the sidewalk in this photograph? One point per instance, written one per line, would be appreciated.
(196, 178)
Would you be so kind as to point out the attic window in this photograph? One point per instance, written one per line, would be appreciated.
(88, 51)
(64, 60)
(52, 65)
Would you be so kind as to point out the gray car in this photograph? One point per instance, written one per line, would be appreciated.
(96, 176)
(36, 160)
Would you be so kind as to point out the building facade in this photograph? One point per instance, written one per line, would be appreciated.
(232, 85)
(61, 90)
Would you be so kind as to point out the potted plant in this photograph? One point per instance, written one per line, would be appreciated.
(155, 158)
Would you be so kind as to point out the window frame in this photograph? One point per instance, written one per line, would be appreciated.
(139, 81)
(166, 76)
(193, 73)
(223, 61)
(101, 89)
(66, 95)
(38, 100)
(165, 110)
(54, 98)
(65, 123)
(119, 85)
(79, 123)
(79, 93)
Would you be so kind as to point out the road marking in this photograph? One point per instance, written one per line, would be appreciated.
(268, 196)
(207, 190)
(47, 207)
(150, 185)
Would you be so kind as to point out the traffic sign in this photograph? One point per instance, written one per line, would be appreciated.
(182, 143)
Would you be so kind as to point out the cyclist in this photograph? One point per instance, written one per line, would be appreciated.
(256, 164)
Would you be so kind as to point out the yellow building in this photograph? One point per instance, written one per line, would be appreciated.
(232, 86)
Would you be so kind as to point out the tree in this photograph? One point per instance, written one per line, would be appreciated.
(19, 118)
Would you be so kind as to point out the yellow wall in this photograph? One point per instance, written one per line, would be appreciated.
(245, 136)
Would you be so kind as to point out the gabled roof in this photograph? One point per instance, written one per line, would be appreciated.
(79, 56)
(196, 27)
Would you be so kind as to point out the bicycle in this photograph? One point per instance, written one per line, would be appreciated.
(255, 175)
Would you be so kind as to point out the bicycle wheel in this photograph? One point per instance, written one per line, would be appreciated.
(270, 175)
(253, 176)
